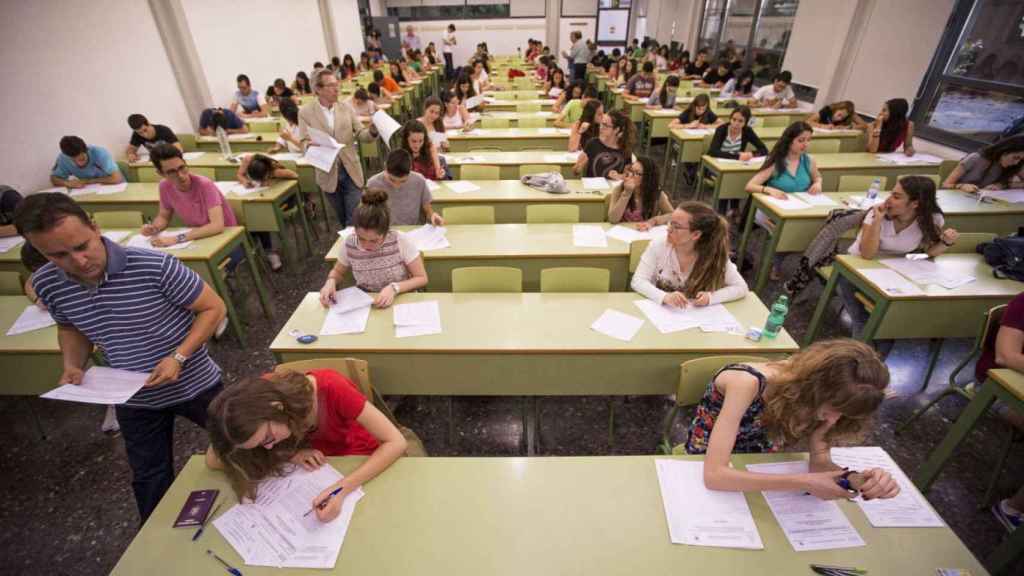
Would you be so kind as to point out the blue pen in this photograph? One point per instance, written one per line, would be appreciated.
(202, 526)
(231, 569)
(333, 493)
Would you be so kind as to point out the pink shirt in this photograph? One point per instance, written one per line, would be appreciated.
(193, 207)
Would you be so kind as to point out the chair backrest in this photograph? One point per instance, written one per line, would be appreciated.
(636, 251)
(479, 172)
(10, 284)
(118, 219)
(859, 183)
(468, 215)
(187, 141)
(491, 122)
(552, 213)
(487, 279)
(263, 126)
(946, 167)
(207, 171)
(528, 107)
(774, 121)
(695, 374)
(986, 339)
(967, 242)
(573, 279)
(527, 169)
(532, 122)
(824, 146)
(933, 177)
(148, 174)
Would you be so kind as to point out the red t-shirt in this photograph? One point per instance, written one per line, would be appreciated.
(1013, 317)
(339, 403)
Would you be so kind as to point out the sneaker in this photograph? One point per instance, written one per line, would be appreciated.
(110, 425)
(221, 328)
(1007, 516)
(275, 261)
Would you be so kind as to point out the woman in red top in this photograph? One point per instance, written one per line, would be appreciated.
(425, 159)
(891, 129)
(260, 425)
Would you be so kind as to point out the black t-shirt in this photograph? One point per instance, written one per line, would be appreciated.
(601, 159)
(286, 93)
(163, 135)
(713, 77)
(686, 116)
(692, 69)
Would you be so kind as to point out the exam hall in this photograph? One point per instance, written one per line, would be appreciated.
(541, 286)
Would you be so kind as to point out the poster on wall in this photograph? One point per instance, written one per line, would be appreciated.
(615, 4)
(612, 26)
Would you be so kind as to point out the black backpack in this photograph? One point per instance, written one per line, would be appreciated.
(1005, 256)
(9, 199)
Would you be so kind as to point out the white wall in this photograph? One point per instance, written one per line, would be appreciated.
(566, 25)
(817, 41)
(348, 33)
(665, 15)
(254, 37)
(503, 36)
(80, 67)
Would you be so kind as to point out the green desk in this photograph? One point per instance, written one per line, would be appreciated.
(511, 197)
(10, 261)
(266, 125)
(529, 247)
(795, 229)
(509, 139)
(634, 107)
(32, 361)
(731, 177)
(509, 162)
(513, 105)
(250, 142)
(514, 117)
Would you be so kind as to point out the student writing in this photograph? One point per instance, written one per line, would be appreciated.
(997, 166)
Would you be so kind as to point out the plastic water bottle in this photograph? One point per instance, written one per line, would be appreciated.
(222, 142)
(873, 191)
(519, 52)
(776, 318)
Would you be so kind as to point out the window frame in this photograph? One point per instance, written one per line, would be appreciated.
(463, 12)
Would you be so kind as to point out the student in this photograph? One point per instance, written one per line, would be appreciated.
(348, 64)
(481, 81)
(388, 86)
(9, 200)
(377, 95)
(718, 75)
(573, 109)
(247, 99)
(631, 69)
(281, 91)
(608, 154)
(995, 167)
(638, 198)
(146, 310)
(555, 85)
(425, 159)
(79, 165)
(301, 84)
(588, 126)
(665, 98)
(824, 393)
(455, 114)
(258, 170)
(697, 115)
(661, 58)
(433, 109)
(838, 115)
(788, 168)
(463, 89)
(147, 135)
(382, 260)
(540, 70)
(212, 118)
(448, 42)
(574, 93)
(262, 424)
(409, 194)
(360, 102)
(289, 137)
(739, 86)
(778, 94)
(909, 220)
(409, 73)
(641, 85)
(891, 129)
(696, 69)
(364, 62)
(731, 140)
(396, 74)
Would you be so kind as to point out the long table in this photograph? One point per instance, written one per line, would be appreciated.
(529, 247)
(249, 142)
(654, 121)
(509, 162)
(32, 361)
(509, 139)
(514, 117)
(511, 197)
(513, 105)
(513, 516)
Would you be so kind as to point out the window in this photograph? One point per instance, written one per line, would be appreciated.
(450, 10)
(758, 29)
(974, 89)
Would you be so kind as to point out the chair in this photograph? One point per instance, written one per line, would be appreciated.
(527, 107)
(118, 219)
(774, 121)
(967, 242)
(263, 126)
(487, 279)
(946, 168)
(694, 376)
(504, 95)
(932, 177)
(10, 284)
(823, 146)
(575, 279)
(636, 251)
(358, 371)
(552, 214)
(859, 183)
(491, 122)
(479, 172)
(468, 215)
(187, 141)
(527, 169)
(532, 123)
(148, 174)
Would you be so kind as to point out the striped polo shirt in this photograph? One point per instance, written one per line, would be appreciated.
(137, 315)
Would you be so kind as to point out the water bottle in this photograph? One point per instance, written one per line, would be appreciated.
(873, 191)
(519, 52)
(222, 141)
(775, 319)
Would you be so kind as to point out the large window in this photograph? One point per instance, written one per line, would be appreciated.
(407, 10)
(758, 29)
(974, 90)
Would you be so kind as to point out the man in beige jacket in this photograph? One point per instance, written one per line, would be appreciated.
(344, 182)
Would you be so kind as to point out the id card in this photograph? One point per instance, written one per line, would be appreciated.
(196, 508)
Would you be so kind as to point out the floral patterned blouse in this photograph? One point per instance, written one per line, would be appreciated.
(752, 438)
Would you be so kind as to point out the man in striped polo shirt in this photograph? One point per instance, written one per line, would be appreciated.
(145, 310)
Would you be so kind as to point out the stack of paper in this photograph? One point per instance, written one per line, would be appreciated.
(321, 155)
(808, 522)
(891, 282)
(241, 137)
(588, 236)
(349, 314)
(467, 159)
(275, 530)
(787, 203)
(286, 156)
(461, 186)
(815, 199)
(116, 235)
(697, 131)
(627, 234)
(386, 126)
(617, 325)
(104, 189)
(908, 509)
(417, 319)
(31, 318)
(10, 242)
(901, 158)
(925, 272)
(701, 517)
(140, 241)
(53, 190)
(667, 319)
(598, 183)
(863, 203)
(192, 155)
(428, 237)
(758, 160)
(101, 385)
(1015, 195)
(237, 188)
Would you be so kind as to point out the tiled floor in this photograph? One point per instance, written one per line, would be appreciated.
(69, 508)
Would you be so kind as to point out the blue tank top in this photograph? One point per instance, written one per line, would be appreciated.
(790, 183)
(250, 103)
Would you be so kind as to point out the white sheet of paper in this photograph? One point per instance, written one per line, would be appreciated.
(598, 183)
(789, 203)
(116, 235)
(588, 236)
(926, 272)
(101, 385)
(192, 155)
(617, 325)
(816, 199)
(697, 131)
(351, 298)
(140, 241)
(1015, 195)
(474, 102)
(241, 137)
(54, 189)
(323, 154)
(891, 282)
(433, 186)
(908, 509)
(902, 159)
(105, 189)
(287, 156)
(627, 234)
(428, 237)
(467, 159)
(11, 242)
(237, 188)
(417, 319)
(386, 126)
(566, 158)
(808, 522)
(352, 321)
(713, 318)
(31, 318)
(701, 517)
(460, 186)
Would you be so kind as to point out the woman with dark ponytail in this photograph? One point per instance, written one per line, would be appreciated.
(891, 129)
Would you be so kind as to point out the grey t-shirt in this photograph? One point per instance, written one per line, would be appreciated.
(406, 201)
(979, 171)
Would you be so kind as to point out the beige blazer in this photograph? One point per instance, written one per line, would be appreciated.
(347, 130)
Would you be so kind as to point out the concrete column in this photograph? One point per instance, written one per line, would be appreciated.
(327, 22)
(551, 25)
(176, 36)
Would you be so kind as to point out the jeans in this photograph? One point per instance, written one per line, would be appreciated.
(449, 68)
(579, 72)
(858, 314)
(149, 441)
(236, 256)
(345, 198)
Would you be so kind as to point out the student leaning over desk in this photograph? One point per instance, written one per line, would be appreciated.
(259, 170)
(148, 135)
(995, 167)
(78, 165)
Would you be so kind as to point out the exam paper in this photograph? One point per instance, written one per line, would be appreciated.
(351, 298)
(697, 131)
(105, 189)
(10, 242)
(1015, 195)
(925, 272)
(31, 318)
(891, 282)
(809, 522)
(352, 321)
(901, 158)
(273, 531)
(237, 188)
(326, 149)
(287, 156)
(241, 137)
(467, 159)
(101, 385)
(787, 203)
(140, 241)
(566, 158)
(192, 155)
(432, 186)
(588, 236)
(547, 130)
(667, 319)
(428, 237)
(627, 234)
(417, 319)
(815, 199)
(908, 509)
(474, 102)
(701, 517)
(617, 325)
(386, 126)
(460, 186)
(598, 183)
(116, 236)
(346, 232)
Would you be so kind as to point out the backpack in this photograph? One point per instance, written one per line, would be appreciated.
(550, 182)
(1005, 256)
(9, 199)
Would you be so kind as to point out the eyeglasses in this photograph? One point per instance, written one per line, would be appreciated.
(677, 227)
(180, 170)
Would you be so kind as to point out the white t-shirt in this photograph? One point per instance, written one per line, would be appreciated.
(889, 242)
(454, 121)
(449, 42)
(294, 131)
(406, 248)
(767, 92)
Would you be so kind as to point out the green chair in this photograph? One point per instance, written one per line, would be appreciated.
(527, 169)
(932, 177)
(468, 215)
(859, 183)
(479, 172)
(527, 107)
(491, 122)
(774, 121)
(263, 126)
(552, 214)
(823, 146)
(636, 251)
(532, 122)
(694, 376)
(118, 219)
(487, 279)
(575, 279)
(10, 284)
(504, 95)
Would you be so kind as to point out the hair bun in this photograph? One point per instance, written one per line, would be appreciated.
(375, 196)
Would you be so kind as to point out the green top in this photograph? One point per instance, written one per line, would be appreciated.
(573, 110)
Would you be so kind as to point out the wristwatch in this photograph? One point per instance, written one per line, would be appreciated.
(181, 238)
(396, 288)
(181, 358)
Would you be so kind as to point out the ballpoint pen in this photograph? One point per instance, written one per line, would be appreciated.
(231, 569)
(199, 532)
(333, 493)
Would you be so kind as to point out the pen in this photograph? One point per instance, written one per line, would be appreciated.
(333, 493)
(199, 532)
(823, 569)
(231, 569)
